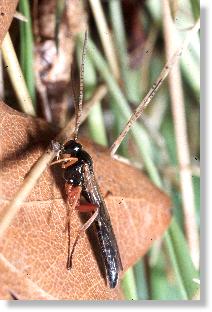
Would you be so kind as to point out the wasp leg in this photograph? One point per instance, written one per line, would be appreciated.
(69, 160)
(86, 208)
(73, 197)
(81, 231)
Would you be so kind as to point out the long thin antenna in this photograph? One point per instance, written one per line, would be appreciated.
(81, 91)
(73, 92)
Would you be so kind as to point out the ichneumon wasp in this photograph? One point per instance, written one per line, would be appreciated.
(80, 179)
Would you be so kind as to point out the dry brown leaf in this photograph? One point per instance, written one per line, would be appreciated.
(34, 249)
(7, 10)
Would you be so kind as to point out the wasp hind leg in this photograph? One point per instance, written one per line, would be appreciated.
(83, 208)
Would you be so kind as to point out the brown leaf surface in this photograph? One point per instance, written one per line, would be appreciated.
(34, 249)
(7, 10)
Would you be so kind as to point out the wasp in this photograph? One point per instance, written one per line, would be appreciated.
(80, 179)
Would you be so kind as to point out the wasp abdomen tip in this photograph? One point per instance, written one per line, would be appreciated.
(113, 279)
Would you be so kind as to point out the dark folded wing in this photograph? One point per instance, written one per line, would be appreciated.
(105, 232)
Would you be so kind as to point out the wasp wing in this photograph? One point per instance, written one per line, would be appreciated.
(106, 236)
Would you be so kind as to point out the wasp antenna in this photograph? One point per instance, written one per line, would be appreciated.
(81, 90)
(74, 92)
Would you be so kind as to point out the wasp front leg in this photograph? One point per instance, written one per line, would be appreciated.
(66, 161)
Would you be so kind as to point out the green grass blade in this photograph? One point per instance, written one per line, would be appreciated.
(128, 285)
(96, 125)
(162, 284)
(181, 261)
(26, 48)
(118, 125)
(141, 280)
(129, 77)
(195, 4)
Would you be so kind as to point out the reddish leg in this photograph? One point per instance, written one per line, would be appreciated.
(83, 208)
(73, 194)
(73, 198)
(66, 162)
(86, 208)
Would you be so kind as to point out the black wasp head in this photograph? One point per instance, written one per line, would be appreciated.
(72, 148)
